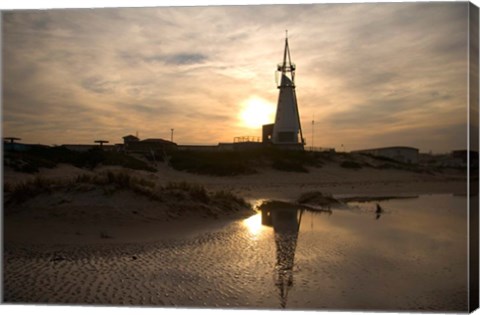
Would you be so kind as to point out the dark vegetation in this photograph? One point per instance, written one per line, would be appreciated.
(276, 205)
(315, 201)
(48, 157)
(358, 161)
(176, 193)
(374, 198)
(216, 163)
(223, 163)
(228, 163)
(317, 198)
(351, 164)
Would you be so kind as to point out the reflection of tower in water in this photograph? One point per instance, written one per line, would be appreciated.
(286, 224)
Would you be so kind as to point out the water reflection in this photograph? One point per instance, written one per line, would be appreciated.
(286, 223)
(378, 212)
(254, 224)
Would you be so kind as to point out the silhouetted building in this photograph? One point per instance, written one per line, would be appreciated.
(129, 139)
(9, 144)
(462, 156)
(287, 131)
(267, 133)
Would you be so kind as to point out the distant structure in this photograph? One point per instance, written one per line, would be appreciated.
(454, 159)
(286, 132)
(463, 157)
(129, 139)
(399, 154)
(10, 144)
(11, 139)
(101, 142)
(151, 146)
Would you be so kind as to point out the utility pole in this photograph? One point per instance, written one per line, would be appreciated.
(171, 135)
(313, 131)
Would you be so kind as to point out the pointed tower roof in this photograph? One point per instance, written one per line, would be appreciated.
(287, 66)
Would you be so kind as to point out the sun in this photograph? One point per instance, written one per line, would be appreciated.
(256, 112)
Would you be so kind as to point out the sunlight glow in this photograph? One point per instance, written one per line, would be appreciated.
(254, 224)
(256, 112)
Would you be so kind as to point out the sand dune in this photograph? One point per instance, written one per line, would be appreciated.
(92, 214)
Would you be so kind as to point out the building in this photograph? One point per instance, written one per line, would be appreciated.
(129, 139)
(286, 132)
(463, 157)
(399, 154)
(9, 144)
(267, 133)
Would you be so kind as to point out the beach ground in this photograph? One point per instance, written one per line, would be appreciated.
(85, 244)
(125, 217)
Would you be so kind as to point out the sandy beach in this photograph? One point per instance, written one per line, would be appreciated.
(137, 218)
(87, 247)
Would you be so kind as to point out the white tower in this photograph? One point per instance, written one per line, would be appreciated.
(287, 130)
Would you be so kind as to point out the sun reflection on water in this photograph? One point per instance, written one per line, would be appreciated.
(254, 224)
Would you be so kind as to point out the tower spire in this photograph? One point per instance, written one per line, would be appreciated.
(287, 68)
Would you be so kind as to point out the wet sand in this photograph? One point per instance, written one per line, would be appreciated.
(347, 260)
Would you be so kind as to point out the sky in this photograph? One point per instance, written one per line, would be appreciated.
(369, 75)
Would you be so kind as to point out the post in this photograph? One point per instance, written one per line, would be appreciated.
(101, 142)
(313, 131)
(171, 135)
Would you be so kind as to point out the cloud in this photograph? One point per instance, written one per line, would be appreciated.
(96, 84)
(186, 59)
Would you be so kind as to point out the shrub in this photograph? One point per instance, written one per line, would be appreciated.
(380, 158)
(22, 191)
(84, 178)
(229, 198)
(212, 163)
(194, 191)
(40, 156)
(111, 181)
(351, 165)
(26, 163)
(289, 166)
(94, 157)
(277, 205)
(316, 197)
(230, 163)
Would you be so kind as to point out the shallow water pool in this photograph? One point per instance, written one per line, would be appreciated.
(413, 256)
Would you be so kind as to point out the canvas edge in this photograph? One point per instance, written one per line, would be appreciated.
(473, 144)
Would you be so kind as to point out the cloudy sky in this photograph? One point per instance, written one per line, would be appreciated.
(370, 75)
